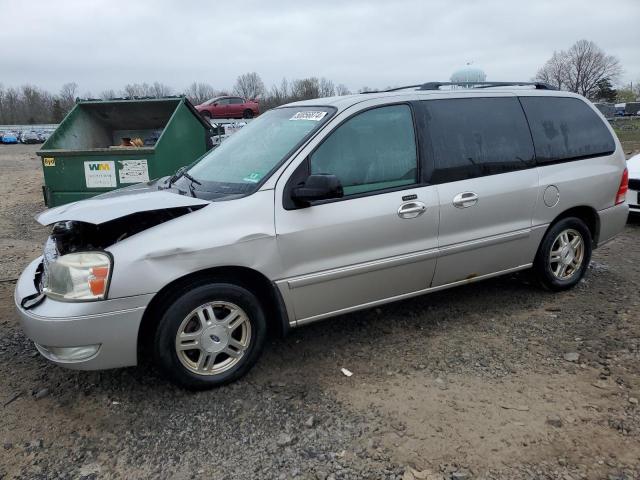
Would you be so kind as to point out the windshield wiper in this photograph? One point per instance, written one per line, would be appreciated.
(182, 172)
(189, 177)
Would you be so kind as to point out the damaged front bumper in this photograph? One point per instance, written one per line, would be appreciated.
(81, 335)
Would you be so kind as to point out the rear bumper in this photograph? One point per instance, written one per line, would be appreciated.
(612, 222)
(111, 325)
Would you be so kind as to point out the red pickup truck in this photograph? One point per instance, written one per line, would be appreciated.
(228, 107)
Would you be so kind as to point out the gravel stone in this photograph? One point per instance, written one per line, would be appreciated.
(554, 421)
(43, 392)
(284, 439)
(572, 356)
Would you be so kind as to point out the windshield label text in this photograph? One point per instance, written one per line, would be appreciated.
(309, 115)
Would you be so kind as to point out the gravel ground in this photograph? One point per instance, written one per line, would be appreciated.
(494, 380)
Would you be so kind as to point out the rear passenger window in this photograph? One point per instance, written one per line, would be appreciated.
(566, 129)
(372, 151)
(474, 137)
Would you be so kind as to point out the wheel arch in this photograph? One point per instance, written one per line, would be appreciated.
(267, 293)
(588, 215)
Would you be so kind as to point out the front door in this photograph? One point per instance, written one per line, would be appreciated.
(377, 242)
(483, 159)
(221, 109)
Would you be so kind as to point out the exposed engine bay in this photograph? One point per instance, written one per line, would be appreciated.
(71, 235)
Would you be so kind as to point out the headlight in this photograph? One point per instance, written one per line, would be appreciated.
(78, 276)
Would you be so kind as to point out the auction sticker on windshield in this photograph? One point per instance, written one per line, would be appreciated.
(309, 115)
(100, 174)
(252, 177)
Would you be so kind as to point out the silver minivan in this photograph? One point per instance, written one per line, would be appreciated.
(319, 208)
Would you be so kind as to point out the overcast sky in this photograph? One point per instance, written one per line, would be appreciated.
(102, 44)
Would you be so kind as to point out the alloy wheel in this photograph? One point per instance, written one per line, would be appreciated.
(567, 254)
(213, 338)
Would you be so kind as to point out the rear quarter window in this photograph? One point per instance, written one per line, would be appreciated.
(566, 129)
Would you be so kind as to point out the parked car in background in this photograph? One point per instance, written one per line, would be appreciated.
(631, 108)
(9, 137)
(633, 195)
(229, 107)
(29, 137)
(319, 208)
(43, 135)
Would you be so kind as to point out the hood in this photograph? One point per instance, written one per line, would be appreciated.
(119, 203)
(633, 164)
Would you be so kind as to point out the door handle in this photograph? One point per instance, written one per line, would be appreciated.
(465, 200)
(411, 209)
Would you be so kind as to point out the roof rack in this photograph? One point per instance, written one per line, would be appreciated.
(437, 85)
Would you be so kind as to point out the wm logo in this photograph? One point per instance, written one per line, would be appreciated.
(99, 166)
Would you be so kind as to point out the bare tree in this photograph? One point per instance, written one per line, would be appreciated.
(589, 65)
(277, 95)
(67, 96)
(580, 69)
(342, 89)
(3, 105)
(555, 71)
(199, 92)
(108, 94)
(249, 85)
(327, 89)
(132, 90)
(161, 90)
(305, 88)
(11, 101)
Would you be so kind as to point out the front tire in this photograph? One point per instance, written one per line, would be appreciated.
(563, 255)
(211, 335)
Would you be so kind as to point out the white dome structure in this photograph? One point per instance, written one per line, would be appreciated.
(468, 74)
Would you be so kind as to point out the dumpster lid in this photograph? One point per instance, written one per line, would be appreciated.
(119, 203)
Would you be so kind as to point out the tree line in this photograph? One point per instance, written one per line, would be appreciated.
(29, 104)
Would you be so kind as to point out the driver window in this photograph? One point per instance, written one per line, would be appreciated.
(372, 151)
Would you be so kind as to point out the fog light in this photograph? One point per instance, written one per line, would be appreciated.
(68, 354)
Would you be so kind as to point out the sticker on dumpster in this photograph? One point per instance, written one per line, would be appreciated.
(309, 115)
(133, 171)
(100, 174)
(49, 161)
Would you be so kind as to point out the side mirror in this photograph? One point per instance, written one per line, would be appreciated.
(318, 186)
(215, 104)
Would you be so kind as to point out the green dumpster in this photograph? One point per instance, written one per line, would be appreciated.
(102, 145)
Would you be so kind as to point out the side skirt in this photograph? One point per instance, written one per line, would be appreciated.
(315, 318)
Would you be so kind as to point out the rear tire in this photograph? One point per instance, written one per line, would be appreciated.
(247, 114)
(211, 335)
(564, 255)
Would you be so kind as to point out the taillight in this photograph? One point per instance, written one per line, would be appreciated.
(624, 186)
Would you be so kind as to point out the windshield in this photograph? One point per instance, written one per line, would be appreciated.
(248, 156)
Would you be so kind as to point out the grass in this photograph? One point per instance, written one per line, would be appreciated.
(628, 131)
